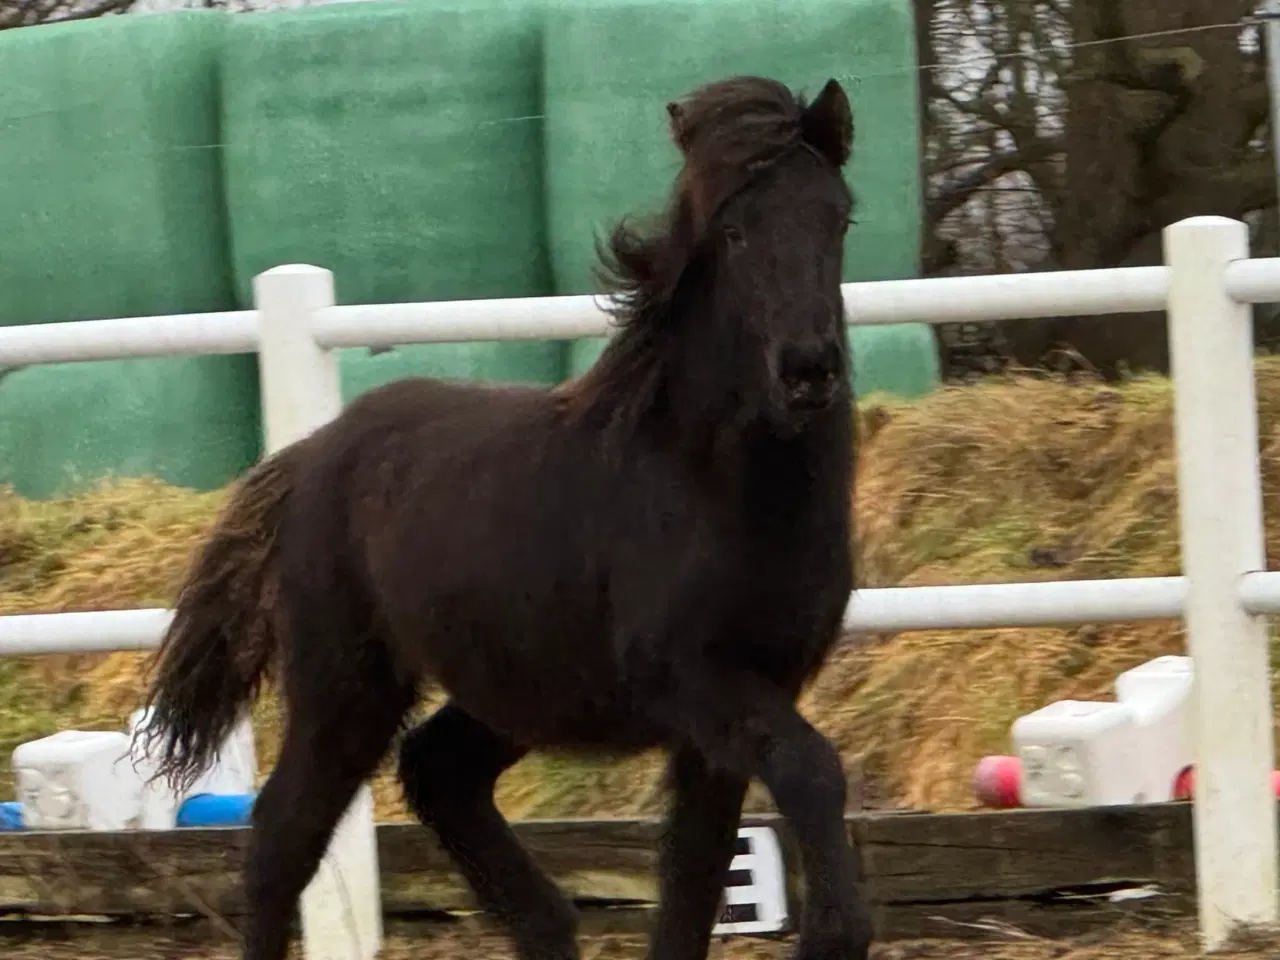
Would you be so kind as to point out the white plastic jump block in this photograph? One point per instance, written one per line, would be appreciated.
(755, 899)
(233, 771)
(1077, 753)
(1084, 753)
(1159, 693)
(77, 780)
(96, 780)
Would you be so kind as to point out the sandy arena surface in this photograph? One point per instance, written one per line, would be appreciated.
(1175, 943)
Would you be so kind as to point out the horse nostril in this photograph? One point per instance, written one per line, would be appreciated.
(809, 367)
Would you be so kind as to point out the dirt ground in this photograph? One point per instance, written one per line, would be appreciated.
(1173, 943)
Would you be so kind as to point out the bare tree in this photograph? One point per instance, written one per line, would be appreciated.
(1068, 133)
(30, 13)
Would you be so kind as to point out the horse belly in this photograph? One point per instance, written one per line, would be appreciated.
(554, 686)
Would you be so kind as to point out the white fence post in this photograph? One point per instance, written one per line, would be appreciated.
(341, 908)
(1220, 513)
(299, 379)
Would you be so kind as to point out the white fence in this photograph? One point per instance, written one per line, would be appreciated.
(1206, 284)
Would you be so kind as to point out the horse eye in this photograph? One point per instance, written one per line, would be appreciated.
(734, 235)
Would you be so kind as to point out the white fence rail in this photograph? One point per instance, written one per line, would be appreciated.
(946, 300)
(1206, 285)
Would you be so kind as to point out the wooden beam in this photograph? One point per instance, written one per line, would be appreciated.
(1050, 872)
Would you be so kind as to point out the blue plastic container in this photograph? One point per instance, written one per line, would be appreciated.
(10, 816)
(216, 810)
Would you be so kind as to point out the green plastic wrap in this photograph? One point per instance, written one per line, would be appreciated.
(111, 199)
(398, 145)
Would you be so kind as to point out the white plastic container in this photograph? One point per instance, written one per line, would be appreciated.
(78, 780)
(234, 771)
(1079, 753)
(1159, 694)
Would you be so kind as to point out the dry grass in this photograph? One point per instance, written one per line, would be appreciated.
(1017, 480)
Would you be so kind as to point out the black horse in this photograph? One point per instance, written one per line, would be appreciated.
(655, 554)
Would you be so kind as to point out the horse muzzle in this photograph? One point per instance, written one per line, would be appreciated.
(810, 395)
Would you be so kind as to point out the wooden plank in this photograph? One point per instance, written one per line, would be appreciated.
(170, 872)
(1049, 871)
(597, 859)
(1014, 853)
(1012, 918)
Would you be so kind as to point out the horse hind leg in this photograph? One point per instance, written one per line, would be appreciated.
(343, 713)
(449, 765)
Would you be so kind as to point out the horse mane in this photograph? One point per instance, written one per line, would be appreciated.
(728, 132)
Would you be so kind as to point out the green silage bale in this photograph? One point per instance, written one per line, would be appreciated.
(398, 145)
(110, 206)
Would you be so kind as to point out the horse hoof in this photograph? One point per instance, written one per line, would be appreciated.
(847, 947)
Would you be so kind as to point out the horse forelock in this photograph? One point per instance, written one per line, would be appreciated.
(730, 132)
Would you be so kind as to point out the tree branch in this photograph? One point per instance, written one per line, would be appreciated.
(1249, 185)
(958, 192)
(101, 8)
(977, 107)
(1255, 101)
(30, 13)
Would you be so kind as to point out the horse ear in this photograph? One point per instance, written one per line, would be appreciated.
(827, 124)
(675, 122)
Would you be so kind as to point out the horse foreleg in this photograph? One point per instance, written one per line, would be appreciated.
(744, 724)
(694, 857)
(449, 765)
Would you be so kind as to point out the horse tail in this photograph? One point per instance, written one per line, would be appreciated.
(222, 642)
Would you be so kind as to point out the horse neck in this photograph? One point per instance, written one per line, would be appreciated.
(789, 481)
(713, 409)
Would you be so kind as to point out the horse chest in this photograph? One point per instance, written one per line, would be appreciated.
(789, 600)
(782, 609)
